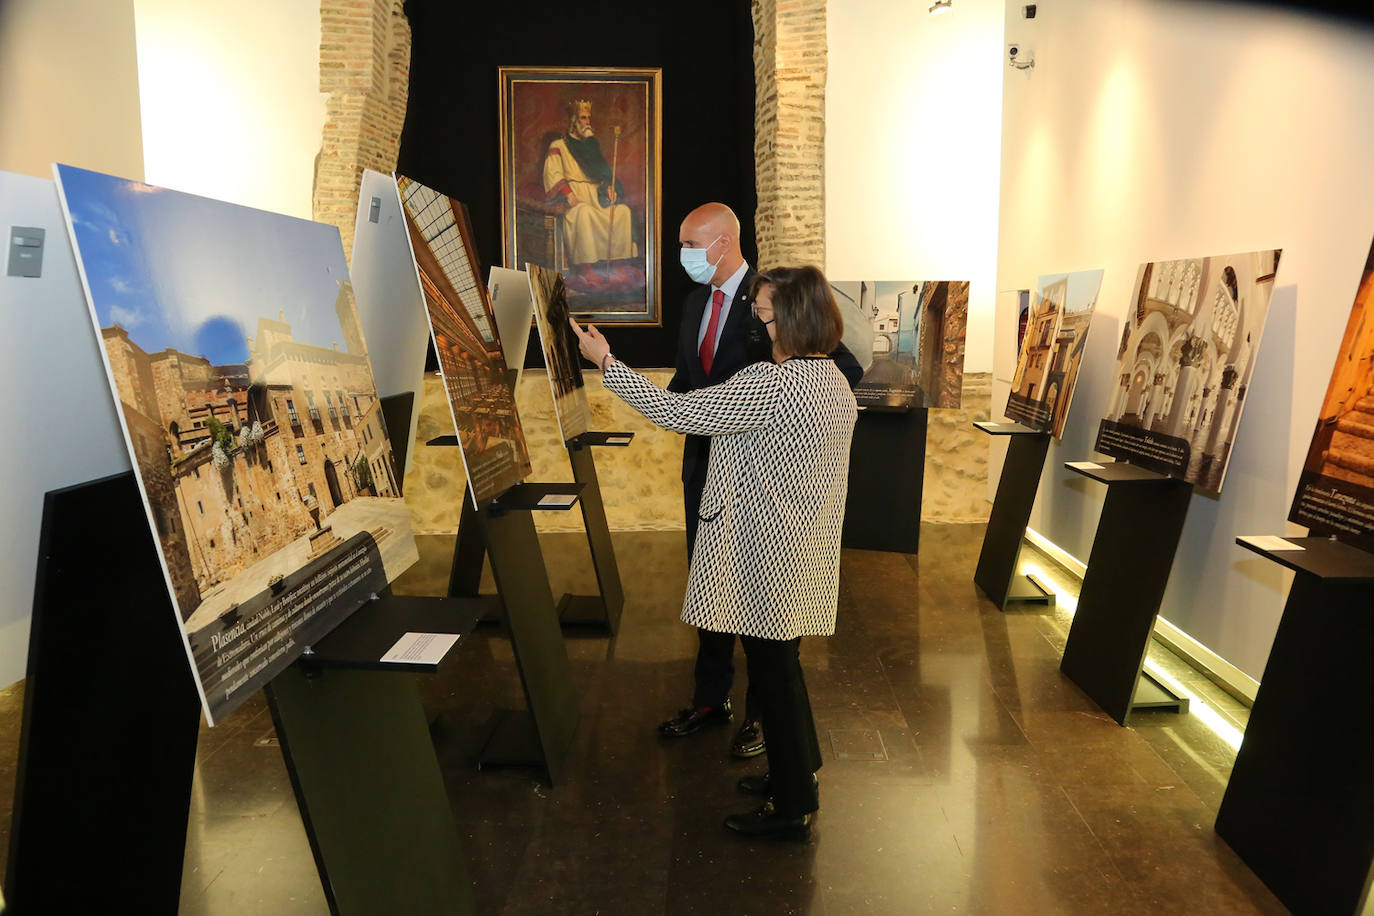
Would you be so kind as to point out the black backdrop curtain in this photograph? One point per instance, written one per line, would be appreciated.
(451, 138)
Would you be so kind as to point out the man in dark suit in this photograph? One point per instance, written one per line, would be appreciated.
(713, 344)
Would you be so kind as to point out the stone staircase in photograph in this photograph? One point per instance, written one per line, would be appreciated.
(1351, 455)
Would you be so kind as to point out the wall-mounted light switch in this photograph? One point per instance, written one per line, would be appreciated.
(26, 252)
(375, 211)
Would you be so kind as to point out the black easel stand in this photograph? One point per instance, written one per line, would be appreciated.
(107, 746)
(540, 735)
(1133, 551)
(358, 750)
(1299, 808)
(465, 575)
(362, 764)
(603, 609)
(996, 572)
(886, 473)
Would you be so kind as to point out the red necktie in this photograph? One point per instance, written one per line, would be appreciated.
(708, 343)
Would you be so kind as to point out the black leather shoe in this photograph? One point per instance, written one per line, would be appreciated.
(761, 784)
(764, 822)
(690, 721)
(748, 740)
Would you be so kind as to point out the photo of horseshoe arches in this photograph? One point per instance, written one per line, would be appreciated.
(1184, 364)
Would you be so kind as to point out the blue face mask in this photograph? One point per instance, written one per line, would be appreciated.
(695, 263)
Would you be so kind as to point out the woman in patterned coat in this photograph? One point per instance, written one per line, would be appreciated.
(767, 560)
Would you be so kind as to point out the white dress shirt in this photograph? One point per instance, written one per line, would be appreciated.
(730, 287)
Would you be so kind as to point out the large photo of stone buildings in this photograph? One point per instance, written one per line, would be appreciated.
(1185, 361)
(1052, 349)
(918, 340)
(481, 392)
(238, 363)
(1335, 492)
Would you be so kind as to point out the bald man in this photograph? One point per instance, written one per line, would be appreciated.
(713, 344)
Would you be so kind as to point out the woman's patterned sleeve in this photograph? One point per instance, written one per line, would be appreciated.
(745, 401)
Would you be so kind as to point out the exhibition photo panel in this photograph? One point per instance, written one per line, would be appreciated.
(1335, 494)
(1052, 348)
(1184, 364)
(233, 345)
(918, 341)
(560, 350)
(481, 396)
(514, 309)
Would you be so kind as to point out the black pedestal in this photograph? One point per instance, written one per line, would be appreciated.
(1011, 510)
(107, 745)
(469, 553)
(366, 778)
(517, 563)
(1128, 569)
(602, 609)
(1299, 808)
(886, 473)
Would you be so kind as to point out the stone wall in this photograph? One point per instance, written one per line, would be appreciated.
(641, 484)
(365, 70)
(957, 457)
(789, 123)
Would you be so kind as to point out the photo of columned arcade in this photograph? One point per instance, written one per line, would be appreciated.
(1185, 361)
(254, 470)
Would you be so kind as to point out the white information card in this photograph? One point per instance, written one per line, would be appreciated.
(1270, 542)
(421, 648)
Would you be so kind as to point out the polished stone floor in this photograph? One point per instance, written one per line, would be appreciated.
(963, 774)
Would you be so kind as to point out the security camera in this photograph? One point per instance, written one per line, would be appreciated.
(1020, 57)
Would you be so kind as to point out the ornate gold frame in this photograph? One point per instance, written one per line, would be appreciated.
(652, 316)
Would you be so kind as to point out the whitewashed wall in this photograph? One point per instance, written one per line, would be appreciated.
(1153, 130)
(912, 124)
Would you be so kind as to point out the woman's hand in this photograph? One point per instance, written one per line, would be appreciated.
(593, 346)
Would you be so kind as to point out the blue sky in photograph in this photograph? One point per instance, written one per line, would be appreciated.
(1082, 289)
(177, 270)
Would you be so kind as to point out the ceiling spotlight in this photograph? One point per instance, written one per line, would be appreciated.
(941, 6)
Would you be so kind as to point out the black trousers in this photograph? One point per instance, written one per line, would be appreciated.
(715, 668)
(794, 754)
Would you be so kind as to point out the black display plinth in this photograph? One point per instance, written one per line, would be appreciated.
(886, 473)
(503, 529)
(359, 753)
(1299, 807)
(107, 745)
(1011, 510)
(602, 609)
(362, 764)
(1128, 569)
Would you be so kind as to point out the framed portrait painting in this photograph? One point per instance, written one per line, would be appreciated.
(580, 185)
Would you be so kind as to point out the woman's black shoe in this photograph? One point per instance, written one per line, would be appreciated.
(748, 740)
(765, 822)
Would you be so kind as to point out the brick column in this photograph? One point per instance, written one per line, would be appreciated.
(365, 69)
(789, 120)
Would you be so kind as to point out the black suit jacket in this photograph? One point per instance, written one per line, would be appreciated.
(732, 355)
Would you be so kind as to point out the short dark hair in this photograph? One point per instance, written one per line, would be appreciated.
(808, 319)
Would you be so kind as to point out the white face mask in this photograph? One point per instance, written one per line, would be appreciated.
(695, 263)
